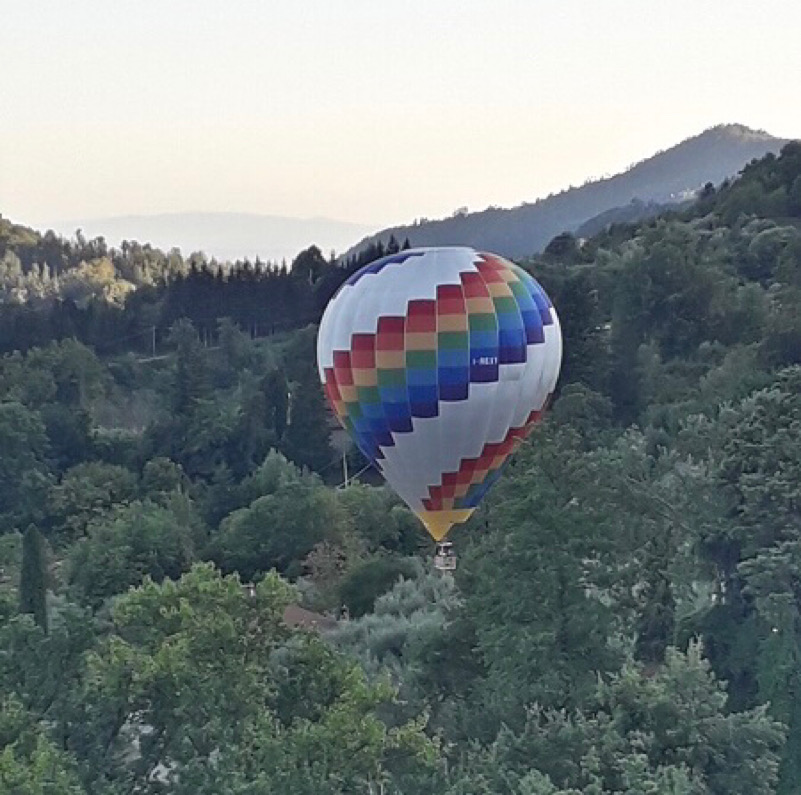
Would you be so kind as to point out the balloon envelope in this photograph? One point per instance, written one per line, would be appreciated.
(438, 362)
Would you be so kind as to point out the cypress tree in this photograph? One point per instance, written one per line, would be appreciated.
(306, 440)
(33, 578)
(191, 380)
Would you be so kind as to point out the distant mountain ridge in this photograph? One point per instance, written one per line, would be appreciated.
(668, 177)
(226, 236)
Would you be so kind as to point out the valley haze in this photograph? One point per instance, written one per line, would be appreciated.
(226, 236)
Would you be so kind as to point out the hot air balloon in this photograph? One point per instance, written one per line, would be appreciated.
(439, 362)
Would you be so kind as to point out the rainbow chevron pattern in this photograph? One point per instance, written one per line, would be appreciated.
(425, 342)
(466, 487)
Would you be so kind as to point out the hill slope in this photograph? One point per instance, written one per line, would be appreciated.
(666, 177)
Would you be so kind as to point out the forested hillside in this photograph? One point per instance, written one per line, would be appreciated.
(626, 616)
(665, 178)
(122, 299)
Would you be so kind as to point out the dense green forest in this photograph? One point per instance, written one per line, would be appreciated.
(127, 299)
(626, 616)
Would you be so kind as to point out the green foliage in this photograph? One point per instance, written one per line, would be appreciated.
(281, 527)
(161, 478)
(214, 693)
(409, 637)
(273, 474)
(764, 188)
(87, 492)
(305, 439)
(191, 380)
(379, 520)
(140, 540)
(366, 582)
(761, 464)
(666, 731)
(262, 419)
(275, 389)
(69, 434)
(657, 506)
(541, 619)
(586, 411)
(24, 468)
(29, 763)
(10, 562)
(78, 375)
(43, 671)
(236, 352)
(33, 577)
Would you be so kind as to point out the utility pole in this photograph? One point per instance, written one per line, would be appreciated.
(153, 340)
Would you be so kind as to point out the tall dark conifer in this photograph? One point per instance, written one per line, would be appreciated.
(306, 439)
(191, 380)
(33, 578)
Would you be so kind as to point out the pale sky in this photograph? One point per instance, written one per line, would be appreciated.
(374, 111)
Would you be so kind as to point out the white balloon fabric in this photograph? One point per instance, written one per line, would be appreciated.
(438, 362)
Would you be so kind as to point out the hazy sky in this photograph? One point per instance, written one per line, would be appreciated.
(377, 111)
